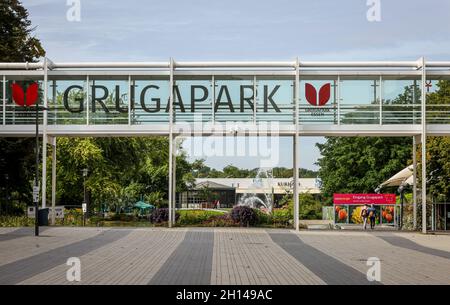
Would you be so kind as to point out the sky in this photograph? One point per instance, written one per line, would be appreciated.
(206, 30)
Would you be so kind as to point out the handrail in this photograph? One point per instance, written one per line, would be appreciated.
(222, 64)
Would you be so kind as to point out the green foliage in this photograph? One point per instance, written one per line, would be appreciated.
(16, 154)
(282, 217)
(230, 171)
(438, 149)
(121, 171)
(16, 221)
(17, 42)
(360, 164)
(196, 217)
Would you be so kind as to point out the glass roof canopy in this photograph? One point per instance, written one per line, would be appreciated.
(286, 98)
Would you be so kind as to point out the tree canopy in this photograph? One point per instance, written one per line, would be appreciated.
(16, 154)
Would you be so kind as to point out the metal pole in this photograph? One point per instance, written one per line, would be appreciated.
(254, 99)
(84, 197)
(424, 149)
(44, 138)
(213, 94)
(174, 183)
(53, 179)
(381, 99)
(170, 194)
(4, 99)
(36, 175)
(129, 99)
(295, 146)
(339, 99)
(414, 183)
(87, 99)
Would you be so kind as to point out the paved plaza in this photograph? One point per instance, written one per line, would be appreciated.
(220, 256)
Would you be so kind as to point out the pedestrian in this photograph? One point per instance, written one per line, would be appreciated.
(364, 215)
(372, 216)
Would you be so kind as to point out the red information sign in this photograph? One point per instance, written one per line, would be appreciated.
(342, 199)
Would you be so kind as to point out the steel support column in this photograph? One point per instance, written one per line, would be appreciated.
(414, 183)
(170, 193)
(44, 137)
(53, 143)
(4, 99)
(174, 181)
(295, 146)
(424, 148)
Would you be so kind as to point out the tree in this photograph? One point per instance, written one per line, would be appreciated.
(360, 164)
(18, 44)
(121, 171)
(16, 155)
(438, 148)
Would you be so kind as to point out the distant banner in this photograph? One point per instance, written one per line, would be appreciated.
(342, 199)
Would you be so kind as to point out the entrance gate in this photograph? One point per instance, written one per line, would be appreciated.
(293, 98)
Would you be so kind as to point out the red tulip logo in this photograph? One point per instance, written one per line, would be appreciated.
(311, 94)
(25, 99)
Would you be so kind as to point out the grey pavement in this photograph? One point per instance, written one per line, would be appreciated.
(232, 256)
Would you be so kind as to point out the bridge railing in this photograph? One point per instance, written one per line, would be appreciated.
(283, 92)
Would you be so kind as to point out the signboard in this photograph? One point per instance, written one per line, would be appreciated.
(35, 193)
(380, 199)
(84, 207)
(59, 212)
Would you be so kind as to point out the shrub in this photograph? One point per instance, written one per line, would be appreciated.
(161, 215)
(123, 217)
(196, 217)
(244, 215)
(283, 217)
(263, 218)
(223, 220)
(16, 221)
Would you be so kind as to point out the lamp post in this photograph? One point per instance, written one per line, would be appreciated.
(84, 205)
(36, 179)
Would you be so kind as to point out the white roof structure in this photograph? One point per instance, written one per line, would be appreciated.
(405, 176)
(279, 185)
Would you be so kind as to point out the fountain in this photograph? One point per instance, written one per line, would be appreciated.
(263, 182)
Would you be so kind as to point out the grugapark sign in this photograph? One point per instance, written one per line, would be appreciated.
(198, 94)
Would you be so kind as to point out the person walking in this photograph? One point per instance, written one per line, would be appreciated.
(364, 215)
(372, 216)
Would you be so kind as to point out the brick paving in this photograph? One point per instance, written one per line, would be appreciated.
(229, 256)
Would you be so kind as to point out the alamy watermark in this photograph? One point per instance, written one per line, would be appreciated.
(374, 11)
(374, 272)
(232, 139)
(74, 12)
(73, 274)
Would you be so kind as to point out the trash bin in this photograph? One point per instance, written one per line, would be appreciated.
(43, 217)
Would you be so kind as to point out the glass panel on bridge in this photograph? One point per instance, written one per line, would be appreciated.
(360, 101)
(67, 102)
(16, 114)
(234, 100)
(438, 100)
(108, 101)
(193, 99)
(401, 101)
(150, 98)
(275, 100)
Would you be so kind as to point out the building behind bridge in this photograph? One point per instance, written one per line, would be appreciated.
(227, 191)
